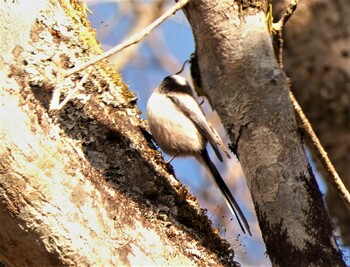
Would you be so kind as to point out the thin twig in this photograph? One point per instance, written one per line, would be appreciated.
(279, 26)
(132, 40)
(287, 15)
(55, 100)
(55, 105)
(321, 153)
(144, 14)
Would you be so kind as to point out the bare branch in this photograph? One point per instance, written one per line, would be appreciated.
(55, 105)
(321, 153)
(286, 16)
(132, 40)
(279, 26)
(144, 14)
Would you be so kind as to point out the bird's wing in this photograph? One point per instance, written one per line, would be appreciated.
(219, 141)
(203, 126)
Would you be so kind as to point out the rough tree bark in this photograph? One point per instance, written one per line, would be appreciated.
(317, 51)
(83, 186)
(244, 84)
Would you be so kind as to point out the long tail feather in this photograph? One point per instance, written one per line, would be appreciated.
(220, 183)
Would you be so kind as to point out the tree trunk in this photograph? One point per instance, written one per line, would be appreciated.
(244, 84)
(317, 51)
(84, 185)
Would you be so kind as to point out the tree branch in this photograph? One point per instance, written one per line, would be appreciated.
(144, 14)
(132, 40)
(315, 142)
(250, 92)
(333, 176)
(85, 186)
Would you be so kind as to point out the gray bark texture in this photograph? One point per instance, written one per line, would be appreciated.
(316, 58)
(244, 84)
(83, 186)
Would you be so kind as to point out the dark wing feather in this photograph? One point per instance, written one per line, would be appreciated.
(201, 125)
(204, 127)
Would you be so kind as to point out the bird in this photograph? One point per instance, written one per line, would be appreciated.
(178, 125)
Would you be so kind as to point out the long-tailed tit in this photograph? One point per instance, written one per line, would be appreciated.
(178, 125)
